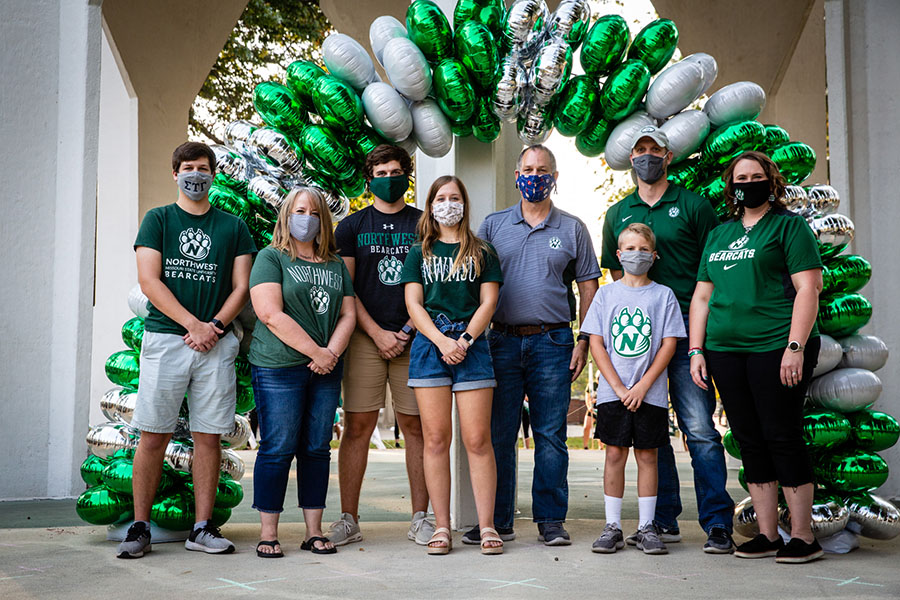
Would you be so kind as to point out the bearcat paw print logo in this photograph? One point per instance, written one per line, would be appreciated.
(319, 298)
(739, 243)
(631, 333)
(389, 269)
(194, 244)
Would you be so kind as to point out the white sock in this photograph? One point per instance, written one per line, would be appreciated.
(613, 510)
(646, 510)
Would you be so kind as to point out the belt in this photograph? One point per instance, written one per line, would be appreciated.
(520, 330)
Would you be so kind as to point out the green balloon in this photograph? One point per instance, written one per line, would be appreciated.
(846, 274)
(624, 89)
(325, 152)
(476, 49)
(224, 180)
(174, 512)
(123, 367)
(592, 140)
(229, 493)
(575, 104)
(117, 475)
(245, 401)
(485, 124)
(278, 108)
(429, 29)
(731, 445)
(230, 201)
(742, 479)
(461, 130)
(605, 46)
(133, 333)
(825, 429)
(841, 315)
(355, 186)
(92, 470)
(301, 77)
(655, 44)
(365, 140)
(453, 91)
(261, 238)
(795, 160)
(873, 431)
(713, 189)
(775, 136)
(242, 370)
(338, 104)
(487, 12)
(852, 470)
(99, 505)
(220, 516)
(730, 140)
(689, 173)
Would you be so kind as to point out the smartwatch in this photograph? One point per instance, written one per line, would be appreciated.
(406, 329)
(467, 338)
(221, 326)
(795, 346)
(583, 337)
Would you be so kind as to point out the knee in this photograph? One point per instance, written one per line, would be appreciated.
(206, 441)
(357, 427)
(437, 443)
(616, 455)
(154, 442)
(645, 458)
(411, 426)
(478, 443)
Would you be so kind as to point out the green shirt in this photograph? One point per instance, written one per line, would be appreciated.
(681, 221)
(312, 293)
(456, 295)
(198, 253)
(753, 297)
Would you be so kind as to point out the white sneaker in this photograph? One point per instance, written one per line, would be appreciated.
(420, 529)
(344, 531)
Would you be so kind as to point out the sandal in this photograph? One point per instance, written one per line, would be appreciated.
(310, 545)
(489, 534)
(441, 535)
(270, 544)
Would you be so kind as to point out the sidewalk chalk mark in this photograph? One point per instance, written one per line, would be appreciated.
(846, 581)
(245, 586)
(523, 583)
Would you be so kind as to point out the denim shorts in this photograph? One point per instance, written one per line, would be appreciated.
(426, 369)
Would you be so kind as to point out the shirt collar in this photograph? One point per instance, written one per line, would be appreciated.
(669, 196)
(552, 219)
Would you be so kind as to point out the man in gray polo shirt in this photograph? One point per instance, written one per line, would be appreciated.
(542, 250)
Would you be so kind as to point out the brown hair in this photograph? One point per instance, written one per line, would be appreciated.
(639, 229)
(776, 181)
(192, 151)
(428, 230)
(324, 244)
(385, 153)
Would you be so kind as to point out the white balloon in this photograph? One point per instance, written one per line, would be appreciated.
(709, 66)
(347, 60)
(830, 354)
(674, 89)
(138, 302)
(618, 146)
(431, 128)
(741, 101)
(387, 111)
(864, 352)
(686, 132)
(383, 30)
(409, 144)
(407, 68)
(845, 390)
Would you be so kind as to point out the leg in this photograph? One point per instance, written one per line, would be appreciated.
(799, 501)
(147, 471)
(319, 401)
(411, 426)
(269, 531)
(205, 472)
(614, 471)
(588, 430)
(436, 417)
(647, 478)
(474, 420)
(765, 503)
(353, 457)
(312, 517)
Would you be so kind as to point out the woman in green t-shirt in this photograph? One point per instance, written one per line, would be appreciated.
(452, 283)
(303, 295)
(754, 309)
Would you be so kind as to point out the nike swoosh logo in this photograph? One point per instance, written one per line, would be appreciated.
(725, 268)
(626, 218)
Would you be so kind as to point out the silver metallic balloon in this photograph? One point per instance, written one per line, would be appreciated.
(347, 60)
(407, 68)
(570, 21)
(618, 146)
(138, 302)
(232, 464)
(534, 125)
(276, 149)
(108, 402)
(239, 434)
(741, 101)
(834, 233)
(387, 111)
(550, 71)
(709, 66)
(525, 22)
(823, 198)
(830, 355)
(179, 456)
(829, 516)
(686, 132)
(509, 91)
(745, 522)
(338, 204)
(182, 430)
(106, 439)
(237, 133)
(864, 351)
(795, 198)
(409, 144)
(674, 89)
(269, 190)
(873, 517)
(381, 31)
(845, 390)
(431, 128)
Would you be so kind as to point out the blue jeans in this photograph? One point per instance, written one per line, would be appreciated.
(536, 365)
(694, 408)
(426, 369)
(296, 414)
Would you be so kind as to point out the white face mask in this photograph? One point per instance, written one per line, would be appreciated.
(448, 213)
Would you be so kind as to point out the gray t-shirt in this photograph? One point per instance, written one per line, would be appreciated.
(633, 323)
(539, 265)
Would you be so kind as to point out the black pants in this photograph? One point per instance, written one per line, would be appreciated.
(766, 417)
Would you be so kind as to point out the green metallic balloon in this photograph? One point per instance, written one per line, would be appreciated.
(731, 445)
(301, 77)
(123, 367)
(263, 215)
(728, 141)
(355, 186)
(92, 470)
(592, 140)
(100, 505)
(689, 173)
(850, 471)
(795, 160)
(365, 140)
(230, 201)
(174, 512)
(825, 429)
(655, 44)
(713, 189)
(575, 104)
(325, 152)
(429, 29)
(461, 130)
(278, 108)
(453, 91)
(224, 180)
(220, 516)
(229, 493)
(846, 274)
(477, 51)
(245, 401)
(117, 475)
(485, 124)
(841, 315)
(133, 332)
(742, 479)
(605, 46)
(338, 104)
(487, 12)
(775, 136)
(242, 370)
(624, 89)
(873, 431)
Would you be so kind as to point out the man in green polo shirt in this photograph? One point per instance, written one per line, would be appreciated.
(681, 221)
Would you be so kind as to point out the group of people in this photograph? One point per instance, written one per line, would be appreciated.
(415, 299)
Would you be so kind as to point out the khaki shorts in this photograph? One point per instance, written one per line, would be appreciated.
(366, 376)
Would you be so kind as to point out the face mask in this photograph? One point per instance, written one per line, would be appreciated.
(751, 194)
(649, 168)
(536, 188)
(195, 184)
(304, 228)
(636, 262)
(390, 189)
(447, 213)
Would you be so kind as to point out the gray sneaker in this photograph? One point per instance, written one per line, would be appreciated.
(648, 540)
(668, 536)
(210, 540)
(344, 530)
(420, 529)
(137, 541)
(609, 541)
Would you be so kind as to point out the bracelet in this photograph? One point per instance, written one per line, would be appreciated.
(695, 351)
(583, 337)
(332, 352)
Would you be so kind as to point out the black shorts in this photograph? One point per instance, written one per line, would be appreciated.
(644, 429)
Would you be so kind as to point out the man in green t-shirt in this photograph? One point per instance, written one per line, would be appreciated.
(193, 265)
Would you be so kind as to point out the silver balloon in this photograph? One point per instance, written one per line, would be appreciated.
(269, 189)
(741, 101)
(409, 144)
(686, 132)
(431, 128)
(381, 31)
(845, 390)
(828, 518)
(237, 133)
(823, 198)
(108, 403)
(830, 354)
(745, 522)
(407, 68)
(182, 430)
(709, 66)
(235, 165)
(138, 302)
(833, 231)
(510, 89)
(550, 71)
(387, 111)
(534, 125)
(795, 198)
(873, 517)
(674, 89)
(275, 148)
(567, 16)
(525, 22)
(347, 60)
(106, 439)
(232, 464)
(618, 146)
(125, 405)
(338, 205)
(179, 456)
(864, 352)
(239, 434)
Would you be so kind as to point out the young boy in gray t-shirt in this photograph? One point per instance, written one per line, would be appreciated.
(634, 324)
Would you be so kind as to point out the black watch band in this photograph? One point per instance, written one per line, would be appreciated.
(221, 326)
(406, 329)
(584, 337)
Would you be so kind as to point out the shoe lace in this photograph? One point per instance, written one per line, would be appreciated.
(342, 524)
(210, 530)
(135, 532)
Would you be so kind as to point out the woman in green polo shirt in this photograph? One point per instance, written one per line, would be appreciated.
(752, 322)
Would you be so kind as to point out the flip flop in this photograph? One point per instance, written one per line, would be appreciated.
(310, 545)
(270, 544)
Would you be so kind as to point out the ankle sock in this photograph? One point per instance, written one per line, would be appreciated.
(613, 510)
(200, 525)
(646, 510)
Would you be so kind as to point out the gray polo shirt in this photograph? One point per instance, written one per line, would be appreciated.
(539, 264)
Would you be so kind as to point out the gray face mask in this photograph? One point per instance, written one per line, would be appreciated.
(636, 262)
(304, 228)
(195, 184)
(648, 167)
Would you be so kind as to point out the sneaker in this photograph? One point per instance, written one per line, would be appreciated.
(667, 535)
(137, 541)
(609, 541)
(473, 536)
(648, 540)
(759, 547)
(718, 542)
(798, 551)
(420, 529)
(210, 540)
(344, 530)
(553, 534)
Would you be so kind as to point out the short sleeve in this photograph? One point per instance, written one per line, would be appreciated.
(150, 233)
(705, 221)
(702, 271)
(593, 324)
(348, 281)
(674, 326)
(800, 250)
(245, 243)
(484, 231)
(491, 270)
(586, 266)
(412, 266)
(608, 258)
(345, 240)
(267, 268)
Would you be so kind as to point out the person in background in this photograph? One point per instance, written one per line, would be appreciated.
(590, 405)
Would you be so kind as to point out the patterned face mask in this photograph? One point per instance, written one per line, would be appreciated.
(536, 188)
(447, 213)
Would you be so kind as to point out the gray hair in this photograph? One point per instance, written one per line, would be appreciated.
(537, 147)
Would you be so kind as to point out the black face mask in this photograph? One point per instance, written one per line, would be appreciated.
(751, 194)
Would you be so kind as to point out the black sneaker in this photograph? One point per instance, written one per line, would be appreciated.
(759, 547)
(718, 542)
(798, 551)
(553, 534)
(667, 535)
(473, 536)
(137, 541)
(210, 540)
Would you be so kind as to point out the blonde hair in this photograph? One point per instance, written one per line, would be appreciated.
(639, 229)
(428, 230)
(324, 244)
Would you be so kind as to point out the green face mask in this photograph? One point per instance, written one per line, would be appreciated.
(390, 189)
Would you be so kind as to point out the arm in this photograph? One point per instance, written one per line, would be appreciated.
(605, 366)
(635, 396)
(586, 291)
(699, 313)
(489, 292)
(415, 296)
(616, 274)
(237, 299)
(340, 337)
(806, 306)
(388, 343)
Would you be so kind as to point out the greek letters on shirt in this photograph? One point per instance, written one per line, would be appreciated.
(437, 269)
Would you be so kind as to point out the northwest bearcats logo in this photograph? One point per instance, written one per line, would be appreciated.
(555, 243)
(319, 298)
(389, 269)
(674, 212)
(739, 243)
(194, 244)
(631, 333)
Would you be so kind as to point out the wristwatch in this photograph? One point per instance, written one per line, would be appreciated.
(583, 337)
(406, 329)
(221, 326)
(467, 338)
(795, 346)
